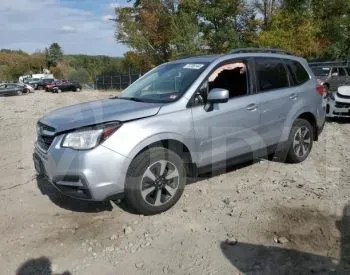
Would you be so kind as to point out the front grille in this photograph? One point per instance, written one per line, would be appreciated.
(46, 135)
(342, 105)
(343, 96)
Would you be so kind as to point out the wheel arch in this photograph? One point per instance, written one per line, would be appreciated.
(312, 120)
(176, 146)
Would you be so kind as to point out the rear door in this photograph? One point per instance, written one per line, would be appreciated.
(334, 79)
(277, 97)
(342, 78)
(348, 76)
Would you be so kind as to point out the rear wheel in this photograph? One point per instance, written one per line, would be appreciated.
(155, 181)
(300, 141)
(19, 92)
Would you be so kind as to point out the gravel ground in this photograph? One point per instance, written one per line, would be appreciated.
(261, 218)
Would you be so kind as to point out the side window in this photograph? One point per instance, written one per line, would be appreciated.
(342, 72)
(271, 74)
(334, 72)
(297, 71)
(232, 77)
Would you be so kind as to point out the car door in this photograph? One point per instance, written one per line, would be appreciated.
(342, 78)
(333, 79)
(276, 97)
(348, 76)
(227, 129)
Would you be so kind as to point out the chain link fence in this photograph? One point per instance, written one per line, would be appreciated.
(118, 81)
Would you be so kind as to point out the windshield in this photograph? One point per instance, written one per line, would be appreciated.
(166, 83)
(321, 71)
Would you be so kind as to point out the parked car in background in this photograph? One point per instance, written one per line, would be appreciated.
(43, 82)
(33, 82)
(182, 118)
(67, 86)
(332, 77)
(11, 89)
(338, 103)
(49, 87)
(26, 88)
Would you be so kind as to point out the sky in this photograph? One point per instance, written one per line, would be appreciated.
(79, 26)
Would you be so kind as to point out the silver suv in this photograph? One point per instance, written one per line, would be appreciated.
(178, 120)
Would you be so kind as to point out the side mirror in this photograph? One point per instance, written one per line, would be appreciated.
(218, 95)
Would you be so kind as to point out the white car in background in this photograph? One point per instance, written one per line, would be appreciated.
(338, 103)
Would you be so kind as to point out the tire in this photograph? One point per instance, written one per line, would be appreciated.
(300, 141)
(78, 90)
(58, 91)
(19, 92)
(155, 197)
(26, 91)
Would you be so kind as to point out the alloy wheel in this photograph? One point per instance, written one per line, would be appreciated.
(159, 182)
(302, 141)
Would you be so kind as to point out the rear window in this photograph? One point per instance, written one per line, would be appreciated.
(271, 74)
(297, 71)
(321, 71)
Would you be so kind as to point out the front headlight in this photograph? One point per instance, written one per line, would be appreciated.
(86, 139)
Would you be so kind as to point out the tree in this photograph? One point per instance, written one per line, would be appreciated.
(290, 31)
(266, 8)
(53, 55)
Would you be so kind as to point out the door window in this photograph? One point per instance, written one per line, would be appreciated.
(232, 77)
(297, 71)
(342, 72)
(334, 72)
(271, 74)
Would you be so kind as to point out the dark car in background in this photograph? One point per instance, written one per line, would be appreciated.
(11, 89)
(32, 82)
(67, 86)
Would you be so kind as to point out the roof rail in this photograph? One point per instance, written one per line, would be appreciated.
(259, 50)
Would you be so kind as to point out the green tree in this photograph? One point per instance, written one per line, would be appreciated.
(290, 31)
(53, 55)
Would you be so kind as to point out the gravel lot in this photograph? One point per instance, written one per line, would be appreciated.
(261, 218)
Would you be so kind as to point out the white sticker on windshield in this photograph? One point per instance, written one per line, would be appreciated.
(193, 66)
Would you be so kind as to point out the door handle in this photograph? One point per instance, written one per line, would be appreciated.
(252, 107)
(293, 96)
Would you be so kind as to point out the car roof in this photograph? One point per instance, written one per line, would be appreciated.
(240, 53)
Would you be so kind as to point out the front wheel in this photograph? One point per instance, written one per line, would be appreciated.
(155, 181)
(78, 90)
(300, 141)
(19, 92)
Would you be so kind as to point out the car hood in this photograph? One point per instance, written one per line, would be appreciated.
(96, 112)
(344, 90)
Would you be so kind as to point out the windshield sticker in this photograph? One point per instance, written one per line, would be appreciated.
(325, 69)
(193, 66)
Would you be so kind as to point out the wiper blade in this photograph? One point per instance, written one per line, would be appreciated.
(131, 98)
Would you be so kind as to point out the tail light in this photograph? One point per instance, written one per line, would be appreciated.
(321, 90)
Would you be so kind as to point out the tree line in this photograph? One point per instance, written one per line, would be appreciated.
(84, 68)
(161, 30)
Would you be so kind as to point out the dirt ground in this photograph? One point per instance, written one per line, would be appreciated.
(262, 218)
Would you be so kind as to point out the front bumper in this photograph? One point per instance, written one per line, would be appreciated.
(337, 107)
(96, 174)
